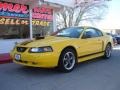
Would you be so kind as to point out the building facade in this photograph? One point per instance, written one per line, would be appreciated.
(20, 21)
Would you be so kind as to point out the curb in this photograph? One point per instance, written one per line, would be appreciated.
(5, 58)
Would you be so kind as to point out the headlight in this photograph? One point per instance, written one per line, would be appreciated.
(41, 49)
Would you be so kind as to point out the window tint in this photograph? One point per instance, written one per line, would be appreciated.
(91, 32)
(99, 32)
(70, 32)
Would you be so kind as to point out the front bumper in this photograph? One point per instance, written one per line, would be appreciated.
(45, 60)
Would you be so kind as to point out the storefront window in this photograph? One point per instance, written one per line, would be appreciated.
(14, 21)
(14, 32)
(42, 21)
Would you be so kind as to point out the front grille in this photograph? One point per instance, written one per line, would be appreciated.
(21, 49)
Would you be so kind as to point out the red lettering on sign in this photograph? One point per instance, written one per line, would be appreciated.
(42, 16)
(10, 7)
(42, 13)
(16, 8)
(13, 7)
(5, 5)
(24, 9)
(42, 10)
(1, 5)
(36, 10)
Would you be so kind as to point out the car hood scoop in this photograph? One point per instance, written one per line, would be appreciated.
(26, 42)
(29, 41)
(39, 37)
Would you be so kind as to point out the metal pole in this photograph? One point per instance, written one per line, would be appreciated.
(30, 19)
(54, 21)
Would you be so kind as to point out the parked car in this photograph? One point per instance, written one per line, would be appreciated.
(64, 50)
(115, 42)
(114, 38)
(118, 39)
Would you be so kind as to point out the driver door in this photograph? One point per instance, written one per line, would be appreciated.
(90, 43)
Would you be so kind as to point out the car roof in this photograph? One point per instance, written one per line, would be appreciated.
(85, 27)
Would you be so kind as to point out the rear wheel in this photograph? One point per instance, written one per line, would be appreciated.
(67, 60)
(108, 51)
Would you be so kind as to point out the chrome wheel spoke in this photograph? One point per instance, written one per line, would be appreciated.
(108, 51)
(66, 64)
(68, 55)
(69, 60)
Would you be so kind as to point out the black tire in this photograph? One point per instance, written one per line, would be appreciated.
(108, 51)
(67, 60)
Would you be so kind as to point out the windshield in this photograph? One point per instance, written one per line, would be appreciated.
(70, 32)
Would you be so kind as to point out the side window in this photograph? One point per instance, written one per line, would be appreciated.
(76, 32)
(91, 32)
(99, 33)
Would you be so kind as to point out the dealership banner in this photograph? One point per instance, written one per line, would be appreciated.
(18, 14)
(42, 13)
(42, 16)
(14, 10)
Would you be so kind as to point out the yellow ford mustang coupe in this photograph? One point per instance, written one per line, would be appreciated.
(64, 50)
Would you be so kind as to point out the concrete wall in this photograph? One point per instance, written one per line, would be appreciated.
(7, 45)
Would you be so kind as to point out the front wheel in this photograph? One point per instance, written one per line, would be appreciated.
(67, 60)
(108, 51)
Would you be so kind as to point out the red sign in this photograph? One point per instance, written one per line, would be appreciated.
(18, 14)
(43, 10)
(43, 13)
(10, 7)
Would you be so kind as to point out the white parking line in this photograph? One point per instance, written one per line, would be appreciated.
(116, 47)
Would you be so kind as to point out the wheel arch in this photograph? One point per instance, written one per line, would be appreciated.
(62, 51)
(68, 47)
(106, 45)
(109, 43)
(106, 55)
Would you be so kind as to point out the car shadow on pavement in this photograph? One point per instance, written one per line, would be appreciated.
(37, 70)
(52, 71)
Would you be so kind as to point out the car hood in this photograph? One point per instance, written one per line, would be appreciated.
(47, 41)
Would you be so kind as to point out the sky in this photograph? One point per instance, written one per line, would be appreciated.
(112, 18)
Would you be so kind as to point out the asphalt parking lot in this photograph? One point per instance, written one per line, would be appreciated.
(98, 74)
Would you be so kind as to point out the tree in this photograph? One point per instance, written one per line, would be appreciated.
(89, 11)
